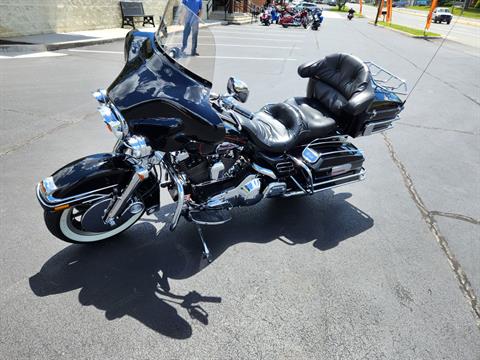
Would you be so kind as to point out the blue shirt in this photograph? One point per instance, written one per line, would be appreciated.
(194, 5)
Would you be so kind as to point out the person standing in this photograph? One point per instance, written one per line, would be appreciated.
(194, 8)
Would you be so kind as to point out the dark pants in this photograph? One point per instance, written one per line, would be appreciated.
(190, 25)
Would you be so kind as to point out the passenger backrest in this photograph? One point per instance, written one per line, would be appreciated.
(341, 83)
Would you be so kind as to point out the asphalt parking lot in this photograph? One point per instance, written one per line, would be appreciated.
(388, 268)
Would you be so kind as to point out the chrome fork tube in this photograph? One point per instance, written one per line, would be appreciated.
(180, 196)
(140, 174)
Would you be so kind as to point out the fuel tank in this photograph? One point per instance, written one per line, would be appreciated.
(162, 100)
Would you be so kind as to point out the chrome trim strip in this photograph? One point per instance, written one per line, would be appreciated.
(370, 126)
(328, 140)
(51, 202)
(338, 152)
(211, 223)
(360, 176)
(264, 171)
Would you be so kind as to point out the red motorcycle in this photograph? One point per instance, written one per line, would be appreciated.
(265, 18)
(298, 19)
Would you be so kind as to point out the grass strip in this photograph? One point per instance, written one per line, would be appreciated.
(468, 13)
(408, 30)
(345, 10)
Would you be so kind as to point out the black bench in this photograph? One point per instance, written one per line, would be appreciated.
(131, 10)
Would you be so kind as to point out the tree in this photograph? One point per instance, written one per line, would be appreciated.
(341, 4)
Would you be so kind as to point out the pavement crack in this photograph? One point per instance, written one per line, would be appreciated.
(464, 283)
(438, 128)
(23, 112)
(456, 216)
(39, 136)
(407, 59)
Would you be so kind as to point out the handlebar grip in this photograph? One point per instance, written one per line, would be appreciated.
(243, 111)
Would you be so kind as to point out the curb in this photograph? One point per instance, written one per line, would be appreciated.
(17, 48)
(80, 43)
(21, 48)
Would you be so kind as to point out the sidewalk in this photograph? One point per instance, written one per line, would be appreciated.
(58, 41)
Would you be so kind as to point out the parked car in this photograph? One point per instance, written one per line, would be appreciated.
(421, 3)
(306, 5)
(400, 3)
(442, 14)
(331, 3)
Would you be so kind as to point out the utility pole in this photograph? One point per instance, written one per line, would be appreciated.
(380, 7)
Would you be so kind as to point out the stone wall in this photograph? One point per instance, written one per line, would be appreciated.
(28, 17)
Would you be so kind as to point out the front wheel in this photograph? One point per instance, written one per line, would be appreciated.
(70, 224)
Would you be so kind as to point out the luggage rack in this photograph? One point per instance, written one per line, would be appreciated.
(386, 80)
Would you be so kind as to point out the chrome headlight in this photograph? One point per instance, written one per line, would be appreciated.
(111, 115)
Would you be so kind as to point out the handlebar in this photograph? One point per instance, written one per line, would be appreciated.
(227, 102)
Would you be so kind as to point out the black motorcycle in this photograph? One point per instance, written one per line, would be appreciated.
(317, 19)
(350, 14)
(210, 153)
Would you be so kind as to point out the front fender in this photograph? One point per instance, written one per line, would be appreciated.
(88, 178)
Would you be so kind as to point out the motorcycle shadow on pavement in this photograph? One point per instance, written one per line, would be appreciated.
(130, 274)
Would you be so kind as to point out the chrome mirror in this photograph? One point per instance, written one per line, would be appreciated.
(238, 89)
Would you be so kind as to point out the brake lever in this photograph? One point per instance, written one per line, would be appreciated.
(236, 119)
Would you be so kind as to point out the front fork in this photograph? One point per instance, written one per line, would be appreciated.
(140, 174)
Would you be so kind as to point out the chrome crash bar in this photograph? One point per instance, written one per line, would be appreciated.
(352, 178)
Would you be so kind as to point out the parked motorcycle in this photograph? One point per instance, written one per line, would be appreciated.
(298, 19)
(350, 14)
(317, 19)
(265, 18)
(275, 15)
(210, 153)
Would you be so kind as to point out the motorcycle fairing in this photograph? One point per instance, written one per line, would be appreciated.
(155, 88)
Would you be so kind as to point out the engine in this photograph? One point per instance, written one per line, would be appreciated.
(225, 162)
(221, 178)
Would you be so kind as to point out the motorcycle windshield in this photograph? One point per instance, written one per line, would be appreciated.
(186, 39)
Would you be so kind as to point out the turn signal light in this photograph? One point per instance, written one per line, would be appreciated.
(61, 207)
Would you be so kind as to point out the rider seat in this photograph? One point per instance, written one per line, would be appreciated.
(338, 91)
(275, 128)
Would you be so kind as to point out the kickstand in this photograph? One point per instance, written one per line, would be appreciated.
(206, 251)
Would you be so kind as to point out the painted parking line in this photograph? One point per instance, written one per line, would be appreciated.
(247, 38)
(201, 57)
(247, 58)
(33, 55)
(293, 47)
(95, 51)
(268, 33)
